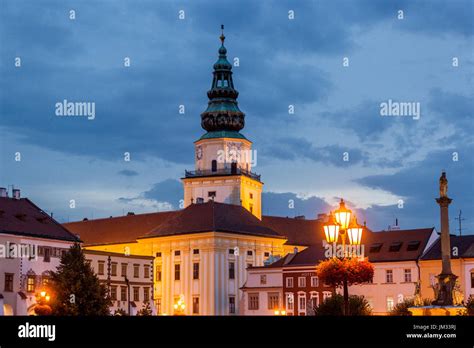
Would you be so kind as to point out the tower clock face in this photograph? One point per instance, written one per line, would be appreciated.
(198, 152)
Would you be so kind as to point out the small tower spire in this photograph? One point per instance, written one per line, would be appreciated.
(222, 113)
(222, 37)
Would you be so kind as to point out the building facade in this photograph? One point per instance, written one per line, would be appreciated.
(288, 286)
(128, 278)
(31, 245)
(462, 263)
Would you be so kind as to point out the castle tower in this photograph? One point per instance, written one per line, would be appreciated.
(223, 156)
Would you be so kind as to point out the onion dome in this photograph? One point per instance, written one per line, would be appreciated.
(222, 113)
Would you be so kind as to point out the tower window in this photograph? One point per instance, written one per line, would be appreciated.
(214, 166)
(233, 168)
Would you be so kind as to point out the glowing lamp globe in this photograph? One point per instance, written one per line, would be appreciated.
(331, 229)
(354, 233)
(343, 215)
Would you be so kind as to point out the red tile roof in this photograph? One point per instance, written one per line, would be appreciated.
(298, 231)
(213, 216)
(23, 217)
(315, 253)
(122, 229)
(389, 238)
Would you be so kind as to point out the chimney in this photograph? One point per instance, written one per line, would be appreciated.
(16, 193)
(322, 217)
(3, 192)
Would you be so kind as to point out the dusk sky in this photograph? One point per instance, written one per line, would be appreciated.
(282, 62)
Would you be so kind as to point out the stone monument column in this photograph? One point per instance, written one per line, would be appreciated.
(446, 280)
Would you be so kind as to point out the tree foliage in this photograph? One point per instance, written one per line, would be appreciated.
(358, 305)
(334, 271)
(401, 309)
(146, 310)
(75, 289)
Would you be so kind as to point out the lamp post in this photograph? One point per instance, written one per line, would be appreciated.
(343, 223)
(42, 307)
(179, 306)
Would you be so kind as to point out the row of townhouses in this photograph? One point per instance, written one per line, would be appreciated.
(32, 243)
(212, 271)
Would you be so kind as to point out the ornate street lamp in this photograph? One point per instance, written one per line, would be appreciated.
(343, 222)
(179, 307)
(354, 232)
(343, 215)
(331, 229)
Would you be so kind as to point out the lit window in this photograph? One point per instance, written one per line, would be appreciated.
(390, 304)
(30, 283)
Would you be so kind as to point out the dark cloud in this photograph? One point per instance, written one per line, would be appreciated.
(292, 148)
(419, 185)
(169, 191)
(128, 172)
(290, 205)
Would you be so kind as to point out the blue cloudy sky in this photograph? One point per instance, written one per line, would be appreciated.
(283, 62)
